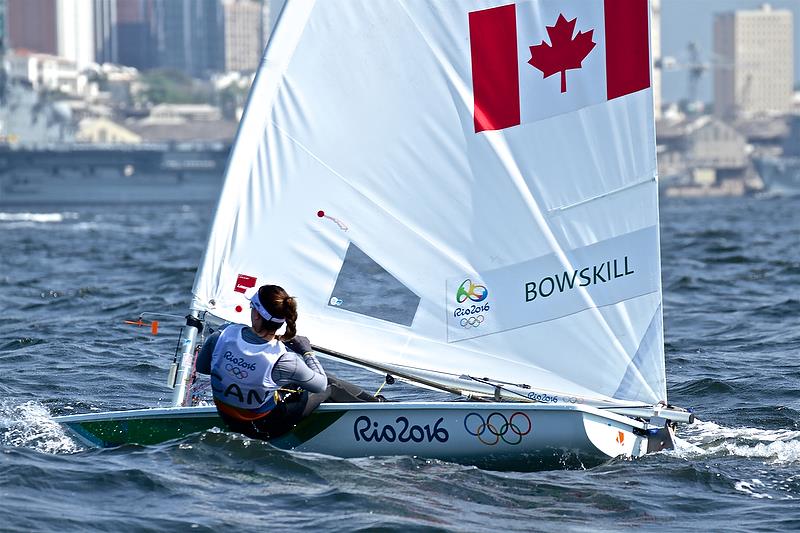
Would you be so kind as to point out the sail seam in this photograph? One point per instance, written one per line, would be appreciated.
(603, 195)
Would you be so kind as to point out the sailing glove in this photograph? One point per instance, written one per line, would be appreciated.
(299, 344)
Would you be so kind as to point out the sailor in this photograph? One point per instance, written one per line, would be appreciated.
(261, 388)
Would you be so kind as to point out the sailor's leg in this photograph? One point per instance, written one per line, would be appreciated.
(314, 399)
(342, 391)
(280, 420)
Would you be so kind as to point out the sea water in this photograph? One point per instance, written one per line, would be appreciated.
(70, 277)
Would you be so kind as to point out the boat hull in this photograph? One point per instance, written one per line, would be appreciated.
(519, 436)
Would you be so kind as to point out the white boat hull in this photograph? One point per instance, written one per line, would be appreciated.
(521, 436)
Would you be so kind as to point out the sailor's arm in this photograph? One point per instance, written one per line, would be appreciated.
(304, 370)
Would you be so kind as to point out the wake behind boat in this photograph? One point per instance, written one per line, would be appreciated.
(463, 196)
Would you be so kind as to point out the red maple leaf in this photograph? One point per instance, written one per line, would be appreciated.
(564, 53)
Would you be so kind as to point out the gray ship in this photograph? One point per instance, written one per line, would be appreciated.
(781, 175)
(41, 162)
(75, 174)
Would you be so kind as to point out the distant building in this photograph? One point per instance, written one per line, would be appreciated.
(243, 34)
(713, 144)
(705, 147)
(197, 37)
(189, 36)
(271, 10)
(75, 31)
(754, 72)
(704, 157)
(184, 122)
(63, 28)
(32, 25)
(46, 72)
(183, 113)
(104, 131)
(764, 133)
(136, 30)
(106, 36)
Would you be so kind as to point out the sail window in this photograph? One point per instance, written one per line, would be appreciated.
(366, 288)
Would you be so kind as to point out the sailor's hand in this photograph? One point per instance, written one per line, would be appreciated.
(299, 344)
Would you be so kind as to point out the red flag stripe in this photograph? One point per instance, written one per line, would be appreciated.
(495, 69)
(627, 47)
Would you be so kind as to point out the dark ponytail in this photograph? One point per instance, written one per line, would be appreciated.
(290, 314)
(279, 304)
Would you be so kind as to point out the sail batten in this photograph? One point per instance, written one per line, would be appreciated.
(647, 181)
(358, 182)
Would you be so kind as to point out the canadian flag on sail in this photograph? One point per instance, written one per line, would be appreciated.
(533, 60)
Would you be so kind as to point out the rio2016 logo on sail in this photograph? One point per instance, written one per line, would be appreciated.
(472, 316)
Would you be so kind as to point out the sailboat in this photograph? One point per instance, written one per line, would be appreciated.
(462, 195)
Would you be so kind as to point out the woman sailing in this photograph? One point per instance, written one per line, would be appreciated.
(261, 388)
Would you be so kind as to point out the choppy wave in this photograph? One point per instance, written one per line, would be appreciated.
(775, 446)
(30, 425)
(42, 218)
(760, 463)
(68, 281)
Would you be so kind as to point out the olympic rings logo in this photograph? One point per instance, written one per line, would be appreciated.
(236, 372)
(497, 427)
(476, 293)
(472, 321)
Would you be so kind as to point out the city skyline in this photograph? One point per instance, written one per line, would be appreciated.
(197, 37)
(685, 21)
(682, 22)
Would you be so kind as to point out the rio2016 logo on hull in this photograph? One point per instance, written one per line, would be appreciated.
(471, 315)
(364, 428)
(497, 427)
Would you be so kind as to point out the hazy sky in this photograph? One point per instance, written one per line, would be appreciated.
(691, 20)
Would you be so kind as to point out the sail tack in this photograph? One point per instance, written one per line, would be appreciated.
(527, 253)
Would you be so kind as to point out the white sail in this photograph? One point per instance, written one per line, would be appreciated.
(407, 171)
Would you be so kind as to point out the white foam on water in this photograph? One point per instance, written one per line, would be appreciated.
(29, 425)
(710, 431)
(751, 488)
(43, 218)
(776, 449)
(775, 446)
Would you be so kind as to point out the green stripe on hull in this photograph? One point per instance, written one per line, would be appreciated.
(307, 429)
(108, 433)
(147, 431)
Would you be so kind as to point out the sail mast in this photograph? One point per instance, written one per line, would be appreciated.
(187, 347)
